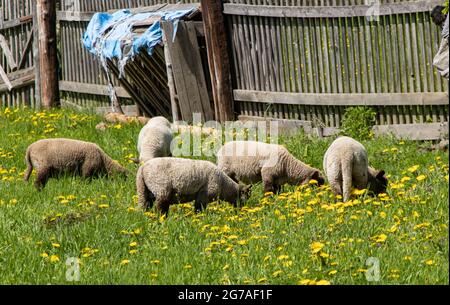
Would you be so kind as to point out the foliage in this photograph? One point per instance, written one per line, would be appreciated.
(358, 122)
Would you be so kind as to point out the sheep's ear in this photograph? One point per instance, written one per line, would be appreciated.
(380, 174)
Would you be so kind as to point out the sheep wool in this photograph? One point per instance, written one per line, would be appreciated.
(169, 181)
(250, 162)
(346, 163)
(154, 139)
(51, 157)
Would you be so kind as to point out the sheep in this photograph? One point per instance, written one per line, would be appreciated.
(345, 164)
(154, 139)
(169, 181)
(437, 16)
(251, 162)
(53, 156)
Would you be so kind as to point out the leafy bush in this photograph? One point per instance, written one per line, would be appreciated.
(358, 122)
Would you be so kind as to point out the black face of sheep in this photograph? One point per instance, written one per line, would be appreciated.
(379, 183)
(319, 178)
(437, 16)
(244, 193)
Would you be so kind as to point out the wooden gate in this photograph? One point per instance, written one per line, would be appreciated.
(17, 73)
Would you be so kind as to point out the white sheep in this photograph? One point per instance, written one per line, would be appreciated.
(250, 162)
(346, 163)
(154, 139)
(51, 157)
(176, 180)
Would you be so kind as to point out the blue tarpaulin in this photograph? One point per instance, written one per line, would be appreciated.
(108, 35)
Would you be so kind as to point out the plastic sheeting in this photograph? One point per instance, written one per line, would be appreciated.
(110, 36)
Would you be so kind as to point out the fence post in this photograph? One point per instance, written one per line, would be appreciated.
(219, 64)
(48, 62)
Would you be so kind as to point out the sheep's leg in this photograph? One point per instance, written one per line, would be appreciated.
(336, 187)
(42, 177)
(87, 170)
(162, 205)
(347, 170)
(277, 188)
(145, 197)
(201, 201)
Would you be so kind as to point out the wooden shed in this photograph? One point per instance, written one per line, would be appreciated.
(174, 80)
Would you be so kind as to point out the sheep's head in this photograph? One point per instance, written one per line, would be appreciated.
(317, 175)
(377, 181)
(437, 16)
(244, 193)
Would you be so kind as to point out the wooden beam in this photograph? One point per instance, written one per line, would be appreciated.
(91, 89)
(7, 52)
(420, 131)
(18, 79)
(219, 63)
(342, 99)
(424, 131)
(329, 11)
(74, 16)
(5, 78)
(16, 22)
(48, 62)
(23, 57)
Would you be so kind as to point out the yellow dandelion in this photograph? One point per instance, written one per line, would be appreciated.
(323, 282)
(429, 262)
(133, 244)
(421, 177)
(332, 272)
(54, 258)
(124, 262)
(413, 169)
(316, 247)
(188, 266)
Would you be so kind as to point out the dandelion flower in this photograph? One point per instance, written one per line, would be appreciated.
(133, 244)
(124, 262)
(323, 282)
(188, 266)
(429, 262)
(421, 177)
(413, 169)
(316, 247)
(54, 258)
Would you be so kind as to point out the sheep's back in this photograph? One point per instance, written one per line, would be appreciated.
(345, 150)
(184, 176)
(245, 159)
(62, 153)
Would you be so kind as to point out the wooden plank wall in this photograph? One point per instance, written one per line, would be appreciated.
(78, 66)
(15, 25)
(326, 55)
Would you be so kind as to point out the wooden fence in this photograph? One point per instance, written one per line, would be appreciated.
(17, 73)
(292, 59)
(305, 60)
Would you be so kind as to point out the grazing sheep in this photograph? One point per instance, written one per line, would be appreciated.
(437, 15)
(250, 162)
(174, 180)
(346, 163)
(154, 139)
(53, 156)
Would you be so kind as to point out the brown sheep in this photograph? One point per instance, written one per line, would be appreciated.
(51, 157)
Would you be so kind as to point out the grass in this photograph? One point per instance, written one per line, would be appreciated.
(298, 237)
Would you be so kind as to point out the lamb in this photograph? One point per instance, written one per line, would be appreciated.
(154, 139)
(250, 162)
(346, 163)
(53, 156)
(172, 180)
